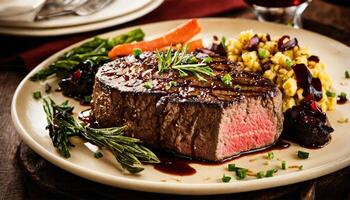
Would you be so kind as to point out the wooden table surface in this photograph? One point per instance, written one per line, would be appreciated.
(320, 16)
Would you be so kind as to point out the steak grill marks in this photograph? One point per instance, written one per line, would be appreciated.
(130, 74)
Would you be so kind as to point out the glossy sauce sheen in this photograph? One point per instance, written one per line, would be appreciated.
(180, 166)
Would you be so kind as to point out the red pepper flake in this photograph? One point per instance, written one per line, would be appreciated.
(314, 106)
(77, 74)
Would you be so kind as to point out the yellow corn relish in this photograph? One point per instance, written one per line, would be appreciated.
(280, 70)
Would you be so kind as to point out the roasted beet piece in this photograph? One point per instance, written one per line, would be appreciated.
(253, 43)
(281, 40)
(266, 66)
(289, 45)
(307, 125)
(217, 47)
(284, 46)
(313, 58)
(303, 76)
(311, 86)
(268, 37)
(80, 82)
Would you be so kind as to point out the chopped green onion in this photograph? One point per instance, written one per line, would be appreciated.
(192, 60)
(284, 165)
(207, 60)
(170, 84)
(231, 167)
(237, 87)
(148, 85)
(342, 95)
(303, 155)
(289, 63)
(270, 155)
(262, 53)
(47, 88)
(87, 99)
(301, 167)
(347, 74)
(137, 52)
(269, 173)
(226, 179)
(223, 42)
(98, 154)
(37, 95)
(241, 173)
(330, 94)
(227, 80)
(260, 174)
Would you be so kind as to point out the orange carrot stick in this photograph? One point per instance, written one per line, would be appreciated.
(180, 34)
(195, 44)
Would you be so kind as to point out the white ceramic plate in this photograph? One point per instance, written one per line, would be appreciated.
(11, 8)
(115, 9)
(30, 122)
(83, 27)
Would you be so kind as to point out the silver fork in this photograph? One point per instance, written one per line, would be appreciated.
(81, 8)
(53, 7)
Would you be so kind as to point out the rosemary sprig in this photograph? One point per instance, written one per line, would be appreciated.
(166, 59)
(61, 125)
(128, 151)
(178, 61)
(195, 69)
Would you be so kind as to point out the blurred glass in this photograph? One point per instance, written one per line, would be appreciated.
(339, 2)
(280, 11)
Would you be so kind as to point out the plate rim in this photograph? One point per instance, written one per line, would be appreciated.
(34, 25)
(67, 30)
(167, 187)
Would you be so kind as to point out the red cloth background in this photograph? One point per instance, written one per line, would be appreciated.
(170, 9)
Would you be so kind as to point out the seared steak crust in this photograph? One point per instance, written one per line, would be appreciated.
(202, 119)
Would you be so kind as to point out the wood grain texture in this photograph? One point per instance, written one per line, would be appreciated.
(11, 184)
(320, 16)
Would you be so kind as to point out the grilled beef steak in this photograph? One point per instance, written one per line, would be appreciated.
(201, 119)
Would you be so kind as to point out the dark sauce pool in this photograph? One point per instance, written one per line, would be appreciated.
(179, 165)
